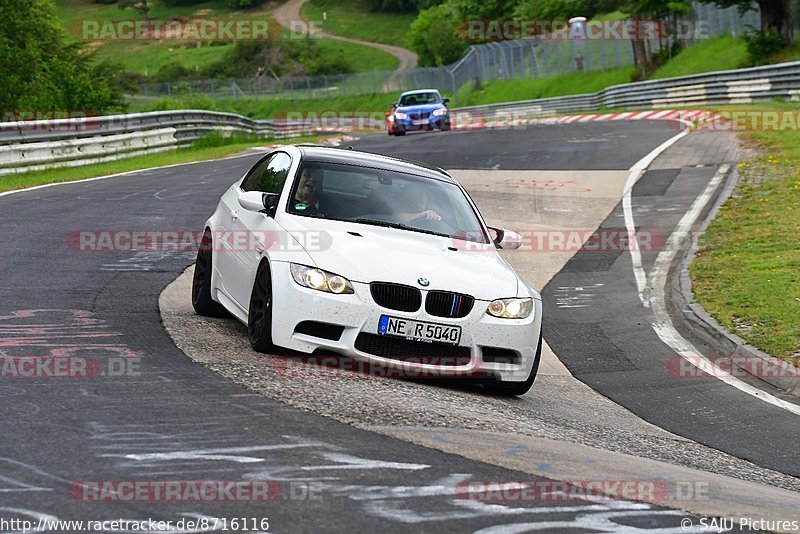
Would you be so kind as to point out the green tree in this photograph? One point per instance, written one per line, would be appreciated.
(480, 9)
(398, 6)
(641, 10)
(433, 36)
(43, 71)
(776, 15)
(563, 9)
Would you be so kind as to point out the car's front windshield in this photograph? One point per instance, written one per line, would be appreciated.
(415, 99)
(383, 197)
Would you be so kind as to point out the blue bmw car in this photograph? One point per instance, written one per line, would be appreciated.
(423, 109)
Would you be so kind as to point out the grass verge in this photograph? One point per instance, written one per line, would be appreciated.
(488, 93)
(209, 147)
(352, 18)
(527, 89)
(721, 53)
(268, 108)
(362, 58)
(148, 56)
(747, 270)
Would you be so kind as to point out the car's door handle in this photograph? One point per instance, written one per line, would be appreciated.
(234, 215)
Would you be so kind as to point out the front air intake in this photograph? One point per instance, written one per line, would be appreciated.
(396, 297)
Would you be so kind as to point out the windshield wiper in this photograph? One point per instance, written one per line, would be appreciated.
(378, 222)
(397, 225)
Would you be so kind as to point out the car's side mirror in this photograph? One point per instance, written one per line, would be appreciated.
(259, 201)
(505, 239)
(445, 100)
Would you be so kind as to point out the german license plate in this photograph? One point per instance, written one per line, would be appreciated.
(419, 330)
(420, 122)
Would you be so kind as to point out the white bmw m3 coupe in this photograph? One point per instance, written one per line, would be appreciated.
(320, 249)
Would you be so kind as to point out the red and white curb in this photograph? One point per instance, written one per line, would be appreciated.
(693, 116)
(471, 122)
(334, 141)
(669, 114)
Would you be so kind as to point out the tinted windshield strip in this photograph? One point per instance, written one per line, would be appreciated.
(446, 178)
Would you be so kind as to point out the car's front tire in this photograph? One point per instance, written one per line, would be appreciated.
(259, 315)
(202, 302)
(514, 389)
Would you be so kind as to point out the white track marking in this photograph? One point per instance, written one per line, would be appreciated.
(636, 172)
(85, 180)
(663, 325)
(655, 299)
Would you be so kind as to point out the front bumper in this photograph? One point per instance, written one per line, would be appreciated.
(358, 313)
(416, 125)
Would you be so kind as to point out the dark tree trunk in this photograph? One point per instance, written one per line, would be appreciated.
(640, 57)
(777, 15)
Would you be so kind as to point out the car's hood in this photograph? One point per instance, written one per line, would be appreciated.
(403, 257)
(420, 108)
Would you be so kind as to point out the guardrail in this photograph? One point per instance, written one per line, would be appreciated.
(70, 142)
(740, 86)
(33, 145)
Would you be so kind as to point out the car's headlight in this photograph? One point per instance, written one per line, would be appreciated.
(320, 280)
(400, 115)
(439, 112)
(510, 308)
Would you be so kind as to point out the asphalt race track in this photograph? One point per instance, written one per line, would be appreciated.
(151, 413)
(609, 343)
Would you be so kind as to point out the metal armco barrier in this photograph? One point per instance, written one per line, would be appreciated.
(740, 86)
(71, 142)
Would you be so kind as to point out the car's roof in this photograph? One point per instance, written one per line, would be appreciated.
(417, 91)
(367, 159)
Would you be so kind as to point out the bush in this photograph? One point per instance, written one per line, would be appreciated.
(130, 81)
(43, 71)
(174, 71)
(243, 4)
(434, 37)
(762, 45)
(173, 3)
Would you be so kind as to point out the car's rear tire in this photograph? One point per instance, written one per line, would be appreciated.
(514, 389)
(259, 315)
(202, 302)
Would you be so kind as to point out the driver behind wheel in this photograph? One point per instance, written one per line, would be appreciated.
(416, 205)
(309, 197)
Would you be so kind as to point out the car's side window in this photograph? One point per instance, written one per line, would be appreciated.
(269, 175)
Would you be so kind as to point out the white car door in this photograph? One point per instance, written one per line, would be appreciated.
(223, 245)
(255, 232)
